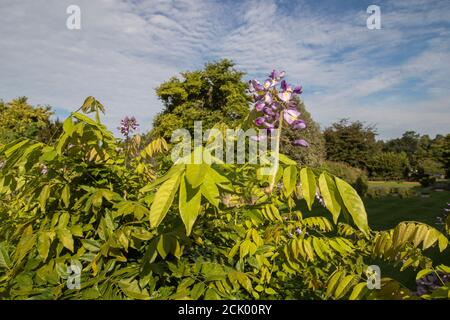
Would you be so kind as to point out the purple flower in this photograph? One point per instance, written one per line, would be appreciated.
(285, 96)
(128, 125)
(298, 231)
(268, 98)
(298, 90)
(260, 121)
(271, 100)
(298, 124)
(268, 111)
(291, 115)
(259, 106)
(275, 75)
(301, 143)
(256, 86)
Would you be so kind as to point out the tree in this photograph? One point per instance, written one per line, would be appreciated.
(412, 144)
(389, 165)
(18, 119)
(440, 151)
(312, 156)
(423, 152)
(215, 94)
(351, 142)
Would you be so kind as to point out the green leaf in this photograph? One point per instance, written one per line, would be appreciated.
(344, 286)
(175, 170)
(443, 242)
(308, 181)
(286, 160)
(354, 204)
(195, 174)
(91, 245)
(211, 294)
(423, 273)
(18, 145)
(68, 126)
(65, 195)
(63, 220)
(332, 283)
(197, 290)
(132, 290)
(43, 197)
(330, 195)
(44, 243)
(270, 291)
(163, 200)
(245, 248)
(290, 179)
(66, 239)
(26, 243)
(189, 204)
(5, 261)
(210, 190)
(358, 291)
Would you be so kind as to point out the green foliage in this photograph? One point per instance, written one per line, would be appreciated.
(314, 155)
(213, 95)
(383, 191)
(18, 119)
(350, 142)
(198, 231)
(356, 177)
(389, 165)
(430, 167)
(427, 181)
(426, 156)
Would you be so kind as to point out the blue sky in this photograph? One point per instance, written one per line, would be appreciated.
(396, 77)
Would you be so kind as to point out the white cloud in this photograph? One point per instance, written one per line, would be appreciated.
(126, 48)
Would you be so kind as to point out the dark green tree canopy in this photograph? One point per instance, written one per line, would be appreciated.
(312, 156)
(351, 142)
(389, 165)
(18, 119)
(215, 94)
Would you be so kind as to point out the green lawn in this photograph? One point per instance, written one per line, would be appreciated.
(394, 184)
(387, 212)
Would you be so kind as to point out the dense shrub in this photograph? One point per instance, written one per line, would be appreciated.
(389, 165)
(19, 119)
(430, 167)
(383, 191)
(351, 142)
(198, 231)
(427, 181)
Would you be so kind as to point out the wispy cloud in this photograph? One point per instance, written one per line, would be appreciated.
(396, 77)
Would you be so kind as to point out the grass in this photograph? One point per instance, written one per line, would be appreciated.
(394, 184)
(385, 213)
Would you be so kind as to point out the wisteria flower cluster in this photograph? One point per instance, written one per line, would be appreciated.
(271, 102)
(128, 125)
(432, 281)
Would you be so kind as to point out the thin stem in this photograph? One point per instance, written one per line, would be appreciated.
(277, 151)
